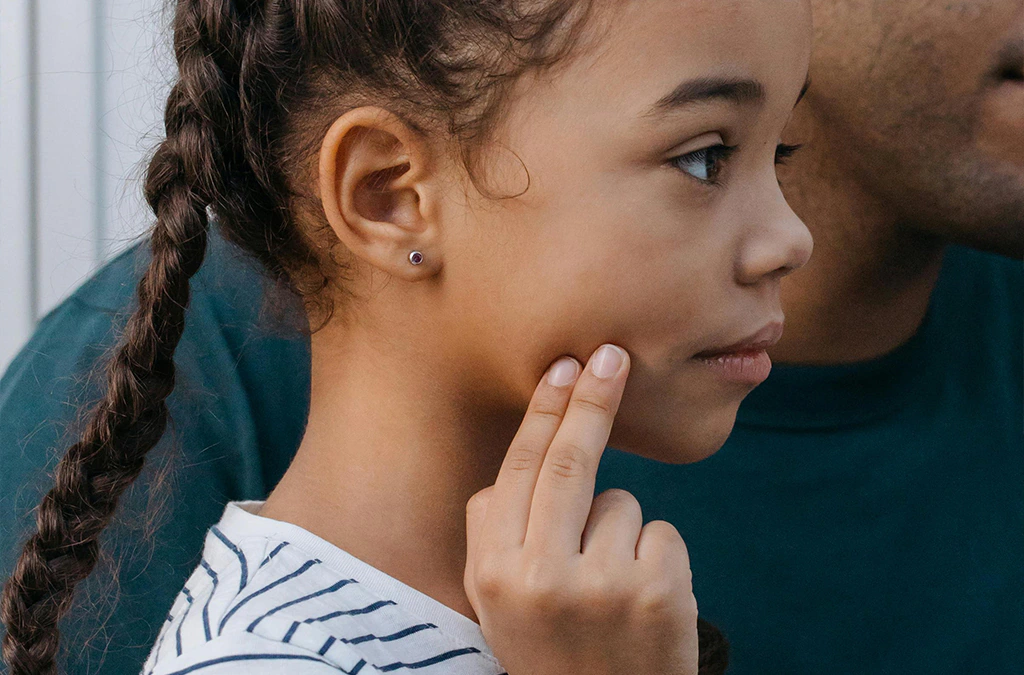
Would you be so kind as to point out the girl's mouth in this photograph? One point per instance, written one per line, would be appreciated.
(745, 362)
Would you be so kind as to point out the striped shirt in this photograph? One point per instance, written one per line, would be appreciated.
(271, 597)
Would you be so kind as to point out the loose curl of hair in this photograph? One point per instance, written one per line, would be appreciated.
(260, 82)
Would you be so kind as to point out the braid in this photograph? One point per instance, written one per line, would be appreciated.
(185, 176)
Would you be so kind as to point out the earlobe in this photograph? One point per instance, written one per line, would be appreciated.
(377, 191)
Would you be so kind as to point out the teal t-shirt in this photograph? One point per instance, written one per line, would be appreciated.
(869, 518)
(237, 415)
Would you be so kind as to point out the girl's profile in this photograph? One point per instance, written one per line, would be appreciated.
(512, 223)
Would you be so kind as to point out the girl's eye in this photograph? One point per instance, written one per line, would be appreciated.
(704, 164)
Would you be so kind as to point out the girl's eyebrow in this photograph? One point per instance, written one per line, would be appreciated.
(704, 89)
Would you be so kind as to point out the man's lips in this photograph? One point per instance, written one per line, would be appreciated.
(761, 340)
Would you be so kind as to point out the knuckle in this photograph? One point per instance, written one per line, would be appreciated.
(672, 562)
(662, 595)
(604, 592)
(569, 461)
(615, 498)
(548, 404)
(479, 500)
(591, 402)
(665, 533)
(541, 589)
(523, 457)
(490, 580)
(663, 529)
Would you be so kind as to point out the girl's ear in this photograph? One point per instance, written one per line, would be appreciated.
(378, 187)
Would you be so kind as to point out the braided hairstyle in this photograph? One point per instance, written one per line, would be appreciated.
(260, 82)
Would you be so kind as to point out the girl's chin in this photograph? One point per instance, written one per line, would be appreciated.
(676, 439)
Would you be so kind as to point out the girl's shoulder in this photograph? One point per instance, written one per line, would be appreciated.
(269, 596)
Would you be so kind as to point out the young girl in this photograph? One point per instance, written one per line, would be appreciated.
(465, 192)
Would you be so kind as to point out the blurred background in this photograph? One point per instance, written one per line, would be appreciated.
(82, 84)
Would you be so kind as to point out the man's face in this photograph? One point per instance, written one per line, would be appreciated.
(923, 102)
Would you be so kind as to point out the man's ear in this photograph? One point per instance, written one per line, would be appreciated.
(378, 188)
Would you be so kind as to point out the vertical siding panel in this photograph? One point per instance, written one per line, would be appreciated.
(67, 149)
(140, 67)
(100, 74)
(82, 89)
(16, 173)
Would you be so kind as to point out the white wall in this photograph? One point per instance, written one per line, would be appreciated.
(82, 84)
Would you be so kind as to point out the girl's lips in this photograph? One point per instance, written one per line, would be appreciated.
(750, 367)
(745, 362)
(763, 339)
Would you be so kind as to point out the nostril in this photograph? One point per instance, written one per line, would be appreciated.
(1013, 74)
(1011, 61)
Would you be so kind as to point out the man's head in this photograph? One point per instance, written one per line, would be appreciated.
(921, 104)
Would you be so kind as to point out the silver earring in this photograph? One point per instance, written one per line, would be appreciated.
(415, 257)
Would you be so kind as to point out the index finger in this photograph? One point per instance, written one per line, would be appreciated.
(564, 492)
(509, 508)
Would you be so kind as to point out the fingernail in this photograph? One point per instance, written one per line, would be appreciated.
(607, 361)
(564, 372)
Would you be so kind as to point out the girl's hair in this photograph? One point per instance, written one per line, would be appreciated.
(260, 82)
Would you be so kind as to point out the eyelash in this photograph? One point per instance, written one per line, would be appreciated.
(716, 154)
(784, 152)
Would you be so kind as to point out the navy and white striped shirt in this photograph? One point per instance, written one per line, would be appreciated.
(271, 597)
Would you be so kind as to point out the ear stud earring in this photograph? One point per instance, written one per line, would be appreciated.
(415, 257)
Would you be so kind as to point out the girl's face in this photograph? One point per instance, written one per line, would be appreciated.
(653, 219)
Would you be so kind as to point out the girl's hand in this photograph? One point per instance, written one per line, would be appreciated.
(562, 582)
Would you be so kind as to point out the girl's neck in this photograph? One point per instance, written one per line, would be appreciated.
(392, 452)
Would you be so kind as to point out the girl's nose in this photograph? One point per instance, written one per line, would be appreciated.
(779, 243)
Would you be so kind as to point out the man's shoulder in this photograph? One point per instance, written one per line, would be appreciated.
(61, 356)
(112, 288)
(240, 387)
